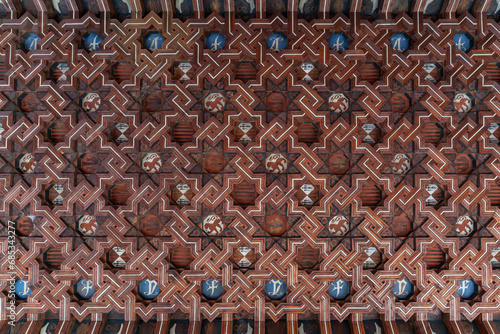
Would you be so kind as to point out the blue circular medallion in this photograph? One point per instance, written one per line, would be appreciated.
(463, 41)
(275, 289)
(85, 289)
(149, 289)
(338, 42)
(400, 42)
(467, 289)
(403, 289)
(22, 289)
(31, 42)
(211, 289)
(153, 41)
(276, 41)
(215, 41)
(92, 41)
(339, 289)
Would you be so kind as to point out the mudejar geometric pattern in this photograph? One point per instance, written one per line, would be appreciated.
(250, 166)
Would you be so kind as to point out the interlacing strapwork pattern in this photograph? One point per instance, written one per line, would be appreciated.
(183, 162)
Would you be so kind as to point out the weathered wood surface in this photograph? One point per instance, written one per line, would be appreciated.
(373, 149)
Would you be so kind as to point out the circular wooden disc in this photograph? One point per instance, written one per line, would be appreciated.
(308, 133)
(276, 102)
(88, 163)
(245, 71)
(57, 131)
(307, 257)
(151, 225)
(244, 194)
(463, 163)
(401, 226)
(119, 194)
(24, 226)
(183, 133)
(214, 163)
(53, 257)
(369, 72)
(370, 195)
(432, 133)
(30, 102)
(153, 102)
(275, 225)
(434, 257)
(339, 164)
(399, 103)
(122, 72)
(181, 257)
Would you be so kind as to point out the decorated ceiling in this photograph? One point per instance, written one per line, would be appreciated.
(249, 166)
